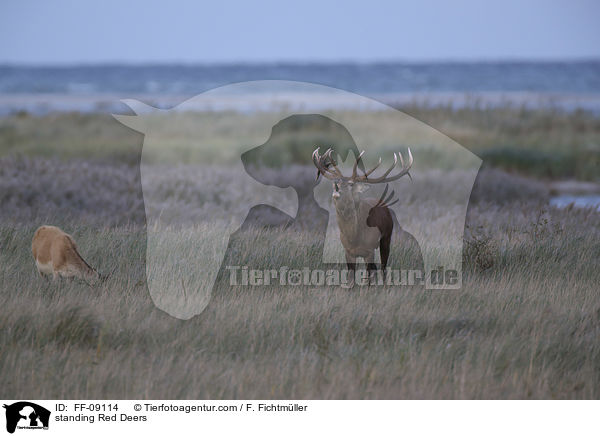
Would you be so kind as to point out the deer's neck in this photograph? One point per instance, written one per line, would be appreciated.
(91, 273)
(348, 214)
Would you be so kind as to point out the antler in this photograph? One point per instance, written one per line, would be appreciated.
(327, 166)
(385, 202)
(384, 179)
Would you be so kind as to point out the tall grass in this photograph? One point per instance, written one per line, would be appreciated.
(524, 325)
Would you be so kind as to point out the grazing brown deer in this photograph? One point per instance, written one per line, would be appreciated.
(55, 252)
(364, 223)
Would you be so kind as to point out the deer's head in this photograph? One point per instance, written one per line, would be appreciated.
(347, 191)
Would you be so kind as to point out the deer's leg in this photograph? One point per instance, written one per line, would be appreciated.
(351, 263)
(45, 278)
(384, 251)
(371, 268)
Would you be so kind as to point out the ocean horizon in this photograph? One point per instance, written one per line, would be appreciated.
(566, 85)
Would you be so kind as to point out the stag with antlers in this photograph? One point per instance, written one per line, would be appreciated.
(364, 223)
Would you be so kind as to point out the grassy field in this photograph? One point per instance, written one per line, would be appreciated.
(542, 143)
(524, 325)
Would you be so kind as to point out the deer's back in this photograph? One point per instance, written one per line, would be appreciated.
(381, 217)
(51, 245)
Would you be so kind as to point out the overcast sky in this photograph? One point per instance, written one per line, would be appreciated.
(62, 32)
